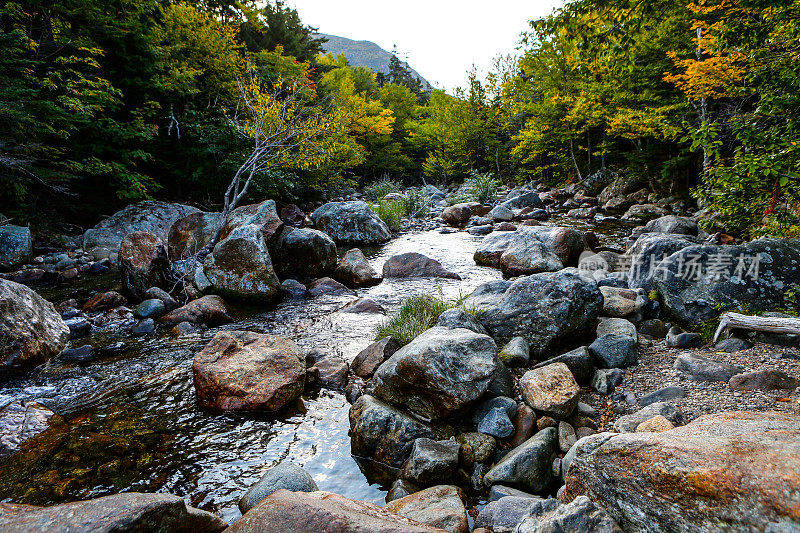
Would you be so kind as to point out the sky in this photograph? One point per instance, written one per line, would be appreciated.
(441, 39)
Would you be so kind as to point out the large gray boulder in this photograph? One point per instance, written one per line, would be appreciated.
(672, 224)
(529, 256)
(527, 199)
(581, 514)
(31, 331)
(240, 267)
(543, 308)
(264, 215)
(700, 283)
(286, 475)
(384, 433)
(647, 252)
(303, 252)
(529, 466)
(440, 372)
(523, 247)
(150, 216)
(351, 222)
(15, 246)
(415, 265)
(737, 471)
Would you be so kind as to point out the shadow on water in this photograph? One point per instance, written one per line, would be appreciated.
(130, 422)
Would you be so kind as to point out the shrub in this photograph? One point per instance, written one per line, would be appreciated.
(418, 203)
(482, 186)
(382, 187)
(391, 212)
(416, 315)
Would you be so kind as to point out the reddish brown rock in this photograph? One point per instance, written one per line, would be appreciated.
(457, 215)
(370, 358)
(192, 233)
(263, 215)
(524, 423)
(209, 310)
(414, 265)
(363, 305)
(143, 262)
(103, 301)
(355, 271)
(438, 506)
(327, 286)
(246, 371)
(767, 380)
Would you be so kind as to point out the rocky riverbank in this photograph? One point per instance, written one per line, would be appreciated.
(568, 373)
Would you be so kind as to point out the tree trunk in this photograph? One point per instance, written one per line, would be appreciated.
(574, 159)
(758, 323)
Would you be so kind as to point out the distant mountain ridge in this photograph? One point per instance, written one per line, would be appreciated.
(363, 54)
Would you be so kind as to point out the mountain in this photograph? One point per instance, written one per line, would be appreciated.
(363, 54)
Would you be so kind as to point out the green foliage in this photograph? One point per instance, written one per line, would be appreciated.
(391, 212)
(418, 203)
(382, 187)
(482, 186)
(418, 314)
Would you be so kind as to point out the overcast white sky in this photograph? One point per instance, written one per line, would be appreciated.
(441, 38)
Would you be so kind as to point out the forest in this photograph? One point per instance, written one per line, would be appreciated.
(106, 103)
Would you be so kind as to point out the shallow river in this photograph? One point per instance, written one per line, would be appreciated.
(130, 422)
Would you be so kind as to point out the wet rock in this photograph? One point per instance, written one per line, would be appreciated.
(209, 310)
(414, 265)
(293, 289)
(579, 361)
(130, 511)
(160, 294)
(528, 256)
(733, 345)
(354, 270)
(702, 369)
(104, 301)
(328, 286)
(81, 354)
(16, 246)
(150, 309)
(551, 389)
(20, 421)
(656, 424)
(31, 330)
(183, 329)
(524, 423)
(286, 476)
(438, 506)
(383, 433)
(143, 263)
(475, 448)
(664, 394)
(330, 372)
(654, 328)
(616, 326)
(303, 252)
(718, 462)
(263, 215)
(672, 224)
(351, 222)
(240, 266)
(370, 358)
(678, 339)
(766, 380)
(566, 436)
(78, 327)
(529, 466)
(458, 318)
(400, 489)
(431, 462)
(148, 216)
(192, 233)
(144, 327)
(439, 372)
(516, 352)
(363, 305)
(322, 512)
(647, 252)
(581, 515)
(542, 308)
(615, 351)
(246, 371)
(456, 215)
(629, 423)
(758, 276)
(504, 514)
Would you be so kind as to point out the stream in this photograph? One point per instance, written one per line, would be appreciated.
(129, 422)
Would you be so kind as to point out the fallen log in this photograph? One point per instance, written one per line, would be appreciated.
(758, 323)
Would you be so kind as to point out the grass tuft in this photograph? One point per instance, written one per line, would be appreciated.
(418, 314)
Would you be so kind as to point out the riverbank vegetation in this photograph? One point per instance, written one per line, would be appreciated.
(104, 103)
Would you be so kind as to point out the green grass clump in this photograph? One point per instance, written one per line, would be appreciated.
(418, 203)
(391, 212)
(381, 188)
(482, 186)
(416, 315)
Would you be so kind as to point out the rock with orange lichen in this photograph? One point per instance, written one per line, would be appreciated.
(736, 471)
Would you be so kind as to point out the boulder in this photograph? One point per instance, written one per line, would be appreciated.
(501, 213)
(493, 246)
(579, 361)
(400, 489)
(20, 421)
(192, 233)
(766, 380)
(383, 433)
(148, 216)
(726, 471)
(156, 293)
(516, 352)
(733, 345)
(581, 514)
(441, 371)
(543, 308)
(414, 265)
(286, 476)
(703, 369)
(566, 244)
(475, 448)
(672, 224)
(616, 326)
(700, 283)
(664, 394)
(355, 271)
(240, 267)
(456, 215)
(31, 330)
(504, 514)
(493, 417)
(619, 186)
(246, 371)
(152, 308)
(370, 358)
(654, 328)
(263, 215)
(351, 222)
(458, 318)
(303, 252)
(130, 511)
(143, 263)
(605, 380)
(528, 256)
(550, 389)
(524, 200)
(322, 512)
(328, 286)
(647, 252)
(438, 506)
(209, 310)
(629, 423)
(615, 351)
(529, 466)
(16, 246)
(431, 462)
(619, 302)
